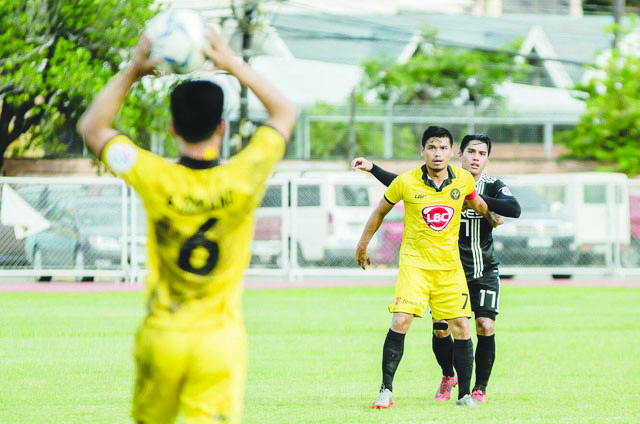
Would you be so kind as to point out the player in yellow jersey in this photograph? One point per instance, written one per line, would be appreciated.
(430, 270)
(190, 350)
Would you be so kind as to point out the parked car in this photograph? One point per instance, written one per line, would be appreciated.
(11, 248)
(630, 254)
(85, 233)
(266, 247)
(58, 247)
(539, 237)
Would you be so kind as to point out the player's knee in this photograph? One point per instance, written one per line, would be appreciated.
(485, 326)
(441, 334)
(441, 329)
(401, 322)
(460, 328)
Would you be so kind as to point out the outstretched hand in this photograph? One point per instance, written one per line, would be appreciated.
(362, 257)
(362, 164)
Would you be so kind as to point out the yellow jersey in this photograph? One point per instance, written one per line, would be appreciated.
(432, 216)
(200, 226)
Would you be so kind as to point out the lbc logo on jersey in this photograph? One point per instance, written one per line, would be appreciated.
(437, 217)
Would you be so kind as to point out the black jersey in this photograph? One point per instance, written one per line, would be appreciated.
(476, 234)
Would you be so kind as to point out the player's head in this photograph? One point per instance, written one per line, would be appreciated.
(196, 109)
(474, 152)
(437, 148)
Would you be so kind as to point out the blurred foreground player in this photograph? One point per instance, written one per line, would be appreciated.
(191, 348)
(478, 260)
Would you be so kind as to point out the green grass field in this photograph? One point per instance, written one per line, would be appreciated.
(565, 354)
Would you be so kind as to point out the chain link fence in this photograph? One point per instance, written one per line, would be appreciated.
(63, 226)
(310, 223)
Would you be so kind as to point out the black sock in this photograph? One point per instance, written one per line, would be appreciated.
(485, 355)
(443, 349)
(463, 363)
(391, 355)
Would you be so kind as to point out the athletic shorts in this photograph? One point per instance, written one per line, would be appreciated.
(485, 294)
(199, 373)
(445, 292)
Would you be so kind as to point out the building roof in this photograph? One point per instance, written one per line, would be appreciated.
(352, 39)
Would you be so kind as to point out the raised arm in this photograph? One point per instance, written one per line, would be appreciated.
(385, 177)
(372, 225)
(282, 112)
(95, 126)
(503, 202)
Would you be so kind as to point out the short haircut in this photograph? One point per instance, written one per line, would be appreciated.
(480, 137)
(196, 109)
(438, 132)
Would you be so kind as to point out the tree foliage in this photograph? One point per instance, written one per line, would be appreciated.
(54, 56)
(440, 73)
(609, 130)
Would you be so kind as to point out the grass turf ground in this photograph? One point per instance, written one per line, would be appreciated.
(565, 354)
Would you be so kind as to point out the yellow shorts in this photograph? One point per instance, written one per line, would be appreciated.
(200, 373)
(445, 292)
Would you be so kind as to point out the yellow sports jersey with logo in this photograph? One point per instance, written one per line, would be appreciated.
(200, 226)
(431, 217)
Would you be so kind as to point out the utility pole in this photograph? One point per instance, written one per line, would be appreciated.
(618, 10)
(351, 144)
(247, 24)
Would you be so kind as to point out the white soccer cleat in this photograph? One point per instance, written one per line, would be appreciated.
(385, 399)
(467, 401)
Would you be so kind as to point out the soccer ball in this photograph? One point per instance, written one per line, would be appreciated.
(177, 38)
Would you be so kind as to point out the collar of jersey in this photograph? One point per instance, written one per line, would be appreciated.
(429, 182)
(198, 163)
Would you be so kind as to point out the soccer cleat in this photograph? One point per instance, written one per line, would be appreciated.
(385, 399)
(444, 391)
(467, 401)
(479, 396)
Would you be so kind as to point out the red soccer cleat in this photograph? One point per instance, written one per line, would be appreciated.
(479, 396)
(444, 391)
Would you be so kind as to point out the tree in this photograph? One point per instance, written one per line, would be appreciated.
(440, 73)
(55, 55)
(609, 130)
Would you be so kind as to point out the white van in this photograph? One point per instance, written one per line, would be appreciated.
(595, 203)
(323, 216)
(331, 210)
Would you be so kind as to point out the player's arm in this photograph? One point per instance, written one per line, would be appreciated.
(282, 111)
(95, 126)
(362, 257)
(385, 177)
(503, 203)
(478, 204)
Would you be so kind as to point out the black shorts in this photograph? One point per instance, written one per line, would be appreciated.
(485, 294)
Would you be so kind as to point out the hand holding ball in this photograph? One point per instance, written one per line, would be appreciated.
(178, 38)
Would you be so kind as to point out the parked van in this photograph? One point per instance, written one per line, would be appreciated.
(330, 212)
(596, 204)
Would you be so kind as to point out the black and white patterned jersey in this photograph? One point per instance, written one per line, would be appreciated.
(476, 234)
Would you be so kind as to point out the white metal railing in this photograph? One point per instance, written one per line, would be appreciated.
(597, 211)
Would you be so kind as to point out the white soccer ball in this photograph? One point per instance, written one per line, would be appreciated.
(178, 38)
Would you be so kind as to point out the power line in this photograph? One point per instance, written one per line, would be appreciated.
(304, 34)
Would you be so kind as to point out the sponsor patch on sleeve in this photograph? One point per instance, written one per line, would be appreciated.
(505, 190)
(121, 157)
